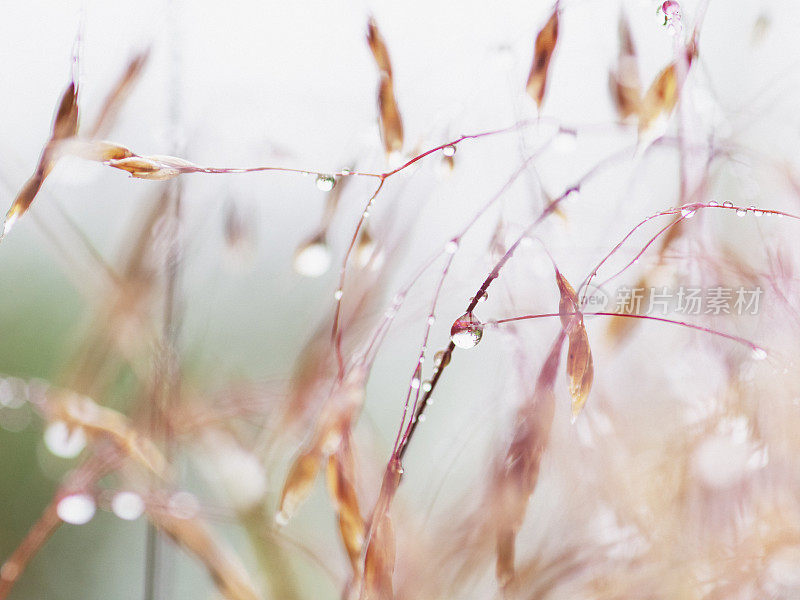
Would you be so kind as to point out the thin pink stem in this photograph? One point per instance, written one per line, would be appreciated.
(729, 336)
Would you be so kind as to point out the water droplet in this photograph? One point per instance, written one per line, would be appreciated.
(431, 320)
(441, 359)
(451, 247)
(759, 353)
(337, 295)
(727, 204)
(325, 183)
(345, 172)
(415, 383)
(672, 16)
(449, 150)
(671, 8)
(282, 518)
(313, 258)
(713, 203)
(740, 212)
(427, 386)
(688, 213)
(421, 418)
(13, 392)
(76, 509)
(127, 505)
(466, 331)
(64, 441)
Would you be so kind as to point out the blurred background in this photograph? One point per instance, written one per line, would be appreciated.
(104, 294)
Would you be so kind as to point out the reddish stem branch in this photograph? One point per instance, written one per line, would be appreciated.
(753, 347)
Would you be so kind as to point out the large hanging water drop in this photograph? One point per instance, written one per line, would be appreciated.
(76, 509)
(127, 505)
(64, 441)
(466, 331)
(325, 183)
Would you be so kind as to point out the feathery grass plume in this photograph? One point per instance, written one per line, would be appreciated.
(95, 150)
(154, 167)
(299, 482)
(340, 477)
(192, 534)
(661, 97)
(65, 126)
(624, 83)
(65, 129)
(105, 423)
(580, 370)
(379, 555)
(331, 430)
(568, 303)
(378, 48)
(695, 501)
(389, 115)
(514, 481)
(543, 51)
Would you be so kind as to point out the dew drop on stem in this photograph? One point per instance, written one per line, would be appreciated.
(63, 441)
(325, 183)
(441, 359)
(466, 331)
(76, 509)
(128, 506)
